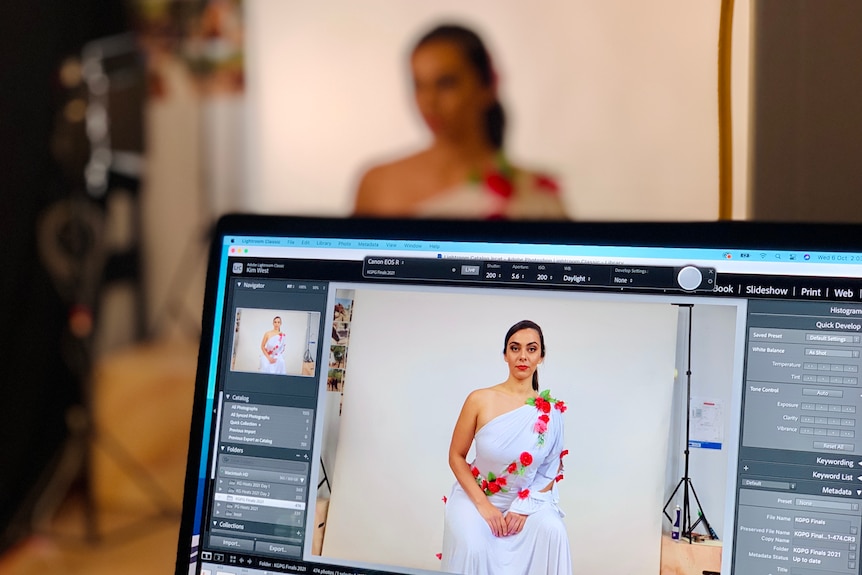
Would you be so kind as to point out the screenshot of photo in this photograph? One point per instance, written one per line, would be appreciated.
(414, 356)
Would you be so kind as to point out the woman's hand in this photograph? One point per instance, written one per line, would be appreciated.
(514, 522)
(270, 358)
(493, 518)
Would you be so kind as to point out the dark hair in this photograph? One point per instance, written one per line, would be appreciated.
(477, 55)
(527, 324)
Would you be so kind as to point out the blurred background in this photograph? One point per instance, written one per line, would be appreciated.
(127, 128)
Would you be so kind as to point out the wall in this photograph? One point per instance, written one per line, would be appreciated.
(807, 105)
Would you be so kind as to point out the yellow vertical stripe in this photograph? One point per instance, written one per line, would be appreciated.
(725, 127)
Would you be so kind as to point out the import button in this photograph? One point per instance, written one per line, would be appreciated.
(231, 543)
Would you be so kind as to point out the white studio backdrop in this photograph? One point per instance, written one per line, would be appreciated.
(617, 98)
(413, 359)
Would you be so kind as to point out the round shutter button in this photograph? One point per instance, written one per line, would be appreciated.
(689, 278)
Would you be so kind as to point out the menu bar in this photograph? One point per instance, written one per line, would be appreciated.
(250, 246)
(789, 287)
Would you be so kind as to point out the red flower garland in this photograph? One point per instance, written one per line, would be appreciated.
(543, 403)
(493, 484)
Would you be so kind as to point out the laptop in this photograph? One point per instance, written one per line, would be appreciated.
(698, 383)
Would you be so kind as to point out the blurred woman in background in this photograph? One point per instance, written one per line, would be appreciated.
(464, 173)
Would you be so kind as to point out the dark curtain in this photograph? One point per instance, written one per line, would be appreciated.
(37, 384)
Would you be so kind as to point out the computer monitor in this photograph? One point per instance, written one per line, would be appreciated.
(696, 407)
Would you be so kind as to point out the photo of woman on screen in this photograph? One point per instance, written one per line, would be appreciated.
(272, 350)
(464, 172)
(503, 513)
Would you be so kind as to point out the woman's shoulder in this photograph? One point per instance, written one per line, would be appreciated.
(480, 395)
(382, 186)
(396, 167)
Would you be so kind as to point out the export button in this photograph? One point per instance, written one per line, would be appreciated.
(276, 548)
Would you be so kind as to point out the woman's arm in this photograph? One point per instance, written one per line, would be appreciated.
(367, 198)
(462, 439)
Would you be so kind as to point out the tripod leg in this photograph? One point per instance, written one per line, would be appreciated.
(137, 472)
(670, 499)
(702, 517)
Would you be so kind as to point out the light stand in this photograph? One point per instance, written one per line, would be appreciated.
(73, 249)
(686, 528)
(77, 274)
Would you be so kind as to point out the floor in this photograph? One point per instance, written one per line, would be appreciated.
(143, 409)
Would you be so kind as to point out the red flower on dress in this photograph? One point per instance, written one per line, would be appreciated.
(543, 405)
(494, 487)
(540, 427)
(526, 459)
(475, 471)
(440, 556)
(501, 481)
(564, 453)
(445, 499)
(523, 494)
(484, 484)
(546, 184)
(558, 478)
(513, 467)
(497, 183)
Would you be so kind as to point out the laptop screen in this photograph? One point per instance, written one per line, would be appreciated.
(416, 397)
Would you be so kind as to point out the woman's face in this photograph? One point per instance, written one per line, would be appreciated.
(276, 324)
(448, 91)
(523, 353)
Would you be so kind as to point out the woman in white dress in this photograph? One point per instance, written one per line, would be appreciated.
(272, 350)
(464, 172)
(502, 516)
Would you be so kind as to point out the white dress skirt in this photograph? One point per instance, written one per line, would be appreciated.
(275, 346)
(542, 546)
